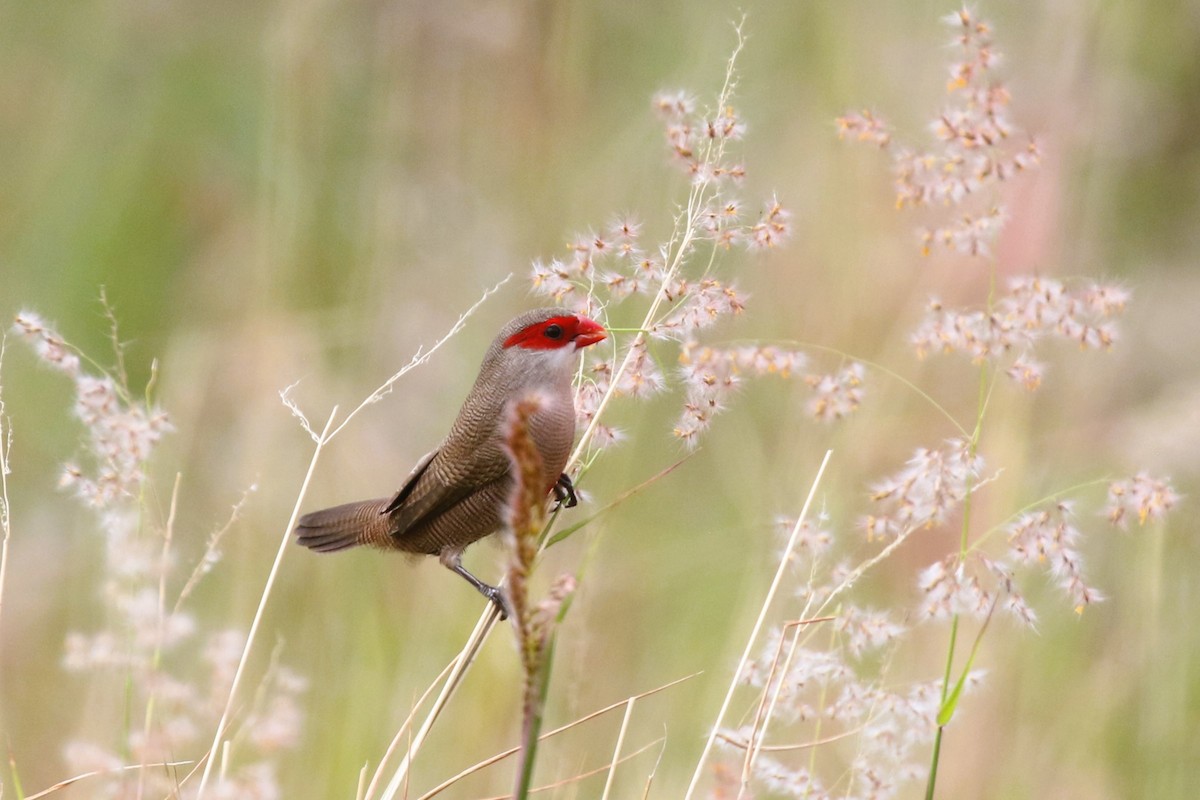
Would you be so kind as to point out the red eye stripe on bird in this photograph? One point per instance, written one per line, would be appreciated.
(456, 494)
(558, 332)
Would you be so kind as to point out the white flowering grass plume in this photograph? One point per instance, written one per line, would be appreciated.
(687, 285)
(826, 717)
(161, 674)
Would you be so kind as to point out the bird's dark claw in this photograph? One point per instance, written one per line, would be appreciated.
(496, 595)
(564, 492)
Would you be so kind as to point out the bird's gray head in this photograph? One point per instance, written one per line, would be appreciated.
(541, 345)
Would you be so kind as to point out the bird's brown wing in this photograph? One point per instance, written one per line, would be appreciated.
(410, 484)
(435, 486)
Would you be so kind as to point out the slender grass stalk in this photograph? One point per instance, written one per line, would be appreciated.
(114, 335)
(160, 632)
(321, 441)
(420, 357)
(284, 540)
(766, 710)
(548, 541)
(862, 569)
(758, 623)
(537, 688)
(487, 762)
(360, 789)
(654, 771)
(786, 748)
(5, 509)
(369, 790)
(824, 694)
(461, 663)
(757, 730)
(680, 244)
(1050, 498)
(95, 774)
(583, 775)
(963, 547)
(891, 373)
(210, 551)
(616, 757)
(16, 777)
(1154, 597)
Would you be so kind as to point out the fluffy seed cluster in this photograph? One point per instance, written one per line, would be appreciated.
(153, 651)
(976, 144)
(121, 432)
(1032, 309)
(1047, 540)
(812, 540)
(921, 495)
(693, 136)
(680, 283)
(1141, 497)
(711, 375)
(836, 395)
(932, 484)
(825, 693)
(972, 589)
(1050, 539)
(46, 344)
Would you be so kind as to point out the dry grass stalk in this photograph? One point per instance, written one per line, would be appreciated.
(63, 784)
(405, 727)
(616, 758)
(321, 441)
(758, 623)
(223, 723)
(487, 762)
(5, 509)
(584, 775)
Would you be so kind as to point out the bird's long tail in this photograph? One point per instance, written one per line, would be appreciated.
(344, 526)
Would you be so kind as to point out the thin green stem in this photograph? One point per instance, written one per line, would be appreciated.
(891, 373)
(937, 748)
(949, 663)
(535, 704)
(983, 397)
(1030, 506)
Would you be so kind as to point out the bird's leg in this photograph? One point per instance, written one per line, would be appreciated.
(451, 561)
(492, 593)
(564, 492)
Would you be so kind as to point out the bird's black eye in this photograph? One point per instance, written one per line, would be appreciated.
(553, 331)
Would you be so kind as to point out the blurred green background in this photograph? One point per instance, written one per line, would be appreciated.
(310, 190)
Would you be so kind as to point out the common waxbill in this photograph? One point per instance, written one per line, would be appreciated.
(455, 495)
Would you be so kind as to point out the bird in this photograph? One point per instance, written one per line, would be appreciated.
(456, 493)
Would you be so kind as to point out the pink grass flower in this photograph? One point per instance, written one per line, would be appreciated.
(1141, 497)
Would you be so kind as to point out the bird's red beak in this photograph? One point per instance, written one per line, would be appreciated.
(588, 332)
